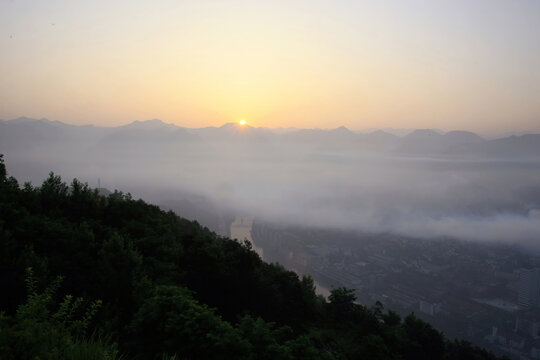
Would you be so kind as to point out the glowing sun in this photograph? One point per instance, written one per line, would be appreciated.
(242, 122)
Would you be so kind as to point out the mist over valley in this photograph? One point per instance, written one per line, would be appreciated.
(425, 184)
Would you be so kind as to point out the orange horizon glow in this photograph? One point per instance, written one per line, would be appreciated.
(309, 64)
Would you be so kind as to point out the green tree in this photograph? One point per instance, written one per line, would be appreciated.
(423, 341)
(173, 322)
(43, 329)
(3, 171)
(342, 302)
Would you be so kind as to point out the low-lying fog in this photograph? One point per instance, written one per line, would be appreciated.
(425, 184)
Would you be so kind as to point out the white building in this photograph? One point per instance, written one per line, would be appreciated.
(429, 308)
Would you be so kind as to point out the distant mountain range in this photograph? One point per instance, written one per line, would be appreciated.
(24, 134)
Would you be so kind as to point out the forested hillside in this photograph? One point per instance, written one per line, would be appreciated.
(86, 276)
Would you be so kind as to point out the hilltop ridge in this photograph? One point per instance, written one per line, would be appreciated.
(161, 286)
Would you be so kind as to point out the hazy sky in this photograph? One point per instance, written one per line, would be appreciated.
(440, 64)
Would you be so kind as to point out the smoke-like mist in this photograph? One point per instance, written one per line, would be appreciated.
(423, 185)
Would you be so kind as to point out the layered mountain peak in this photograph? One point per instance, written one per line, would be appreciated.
(24, 119)
(381, 135)
(153, 124)
(423, 133)
(463, 136)
(233, 125)
(342, 129)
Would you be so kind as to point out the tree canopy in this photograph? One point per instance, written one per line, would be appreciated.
(104, 277)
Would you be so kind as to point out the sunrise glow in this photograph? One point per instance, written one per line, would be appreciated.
(449, 65)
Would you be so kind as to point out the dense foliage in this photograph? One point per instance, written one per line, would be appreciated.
(86, 276)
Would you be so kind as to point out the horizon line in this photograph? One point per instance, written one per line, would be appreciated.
(405, 131)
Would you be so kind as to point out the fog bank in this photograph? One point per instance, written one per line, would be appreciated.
(425, 184)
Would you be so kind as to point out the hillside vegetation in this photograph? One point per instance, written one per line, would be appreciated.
(86, 276)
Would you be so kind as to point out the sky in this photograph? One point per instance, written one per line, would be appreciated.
(471, 65)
